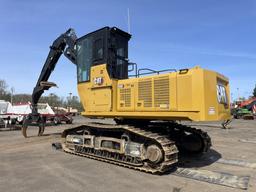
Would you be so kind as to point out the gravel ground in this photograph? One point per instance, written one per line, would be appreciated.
(32, 165)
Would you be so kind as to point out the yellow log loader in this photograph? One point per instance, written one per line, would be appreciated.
(146, 105)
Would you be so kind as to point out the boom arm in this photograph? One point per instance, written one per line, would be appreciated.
(65, 43)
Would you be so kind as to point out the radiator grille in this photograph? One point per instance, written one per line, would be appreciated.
(145, 92)
(161, 92)
(125, 96)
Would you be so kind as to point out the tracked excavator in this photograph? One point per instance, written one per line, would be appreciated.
(146, 104)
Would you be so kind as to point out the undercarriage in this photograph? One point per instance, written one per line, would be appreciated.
(150, 147)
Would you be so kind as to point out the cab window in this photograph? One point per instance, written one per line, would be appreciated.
(221, 94)
(84, 59)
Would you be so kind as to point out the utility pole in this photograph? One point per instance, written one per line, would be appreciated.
(70, 98)
(238, 94)
(51, 100)
(12, 91)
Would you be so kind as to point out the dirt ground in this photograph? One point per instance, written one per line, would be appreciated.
(32, 165)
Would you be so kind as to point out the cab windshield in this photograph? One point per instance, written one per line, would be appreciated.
(84, 59)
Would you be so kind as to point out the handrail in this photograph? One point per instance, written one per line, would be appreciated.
(153, 71)
(134, 68)
(139, 72)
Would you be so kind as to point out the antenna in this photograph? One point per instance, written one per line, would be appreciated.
(128, 20)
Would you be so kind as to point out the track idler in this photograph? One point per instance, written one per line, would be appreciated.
(190, 140)
(33, 120)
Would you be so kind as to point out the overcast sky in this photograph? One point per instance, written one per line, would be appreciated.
(216, 34)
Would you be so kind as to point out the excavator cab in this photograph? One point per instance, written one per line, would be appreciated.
(106, 45)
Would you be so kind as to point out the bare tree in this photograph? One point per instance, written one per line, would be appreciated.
(21, 98)
(74, 103)
(3, 87)
(4, 93)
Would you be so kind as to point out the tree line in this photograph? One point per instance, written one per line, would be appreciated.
(52, 99)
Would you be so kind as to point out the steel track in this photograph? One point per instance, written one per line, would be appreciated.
(162, 138)
(205, 138)
(168, 147)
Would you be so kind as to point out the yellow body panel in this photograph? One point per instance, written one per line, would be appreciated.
(185, 95)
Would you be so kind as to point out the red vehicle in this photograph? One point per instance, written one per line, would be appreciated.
(22, 109)
(60, 117)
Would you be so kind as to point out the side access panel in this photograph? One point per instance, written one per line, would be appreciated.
(96, 95)
(101, 99)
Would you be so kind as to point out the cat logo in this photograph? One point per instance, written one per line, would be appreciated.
(98, 81)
